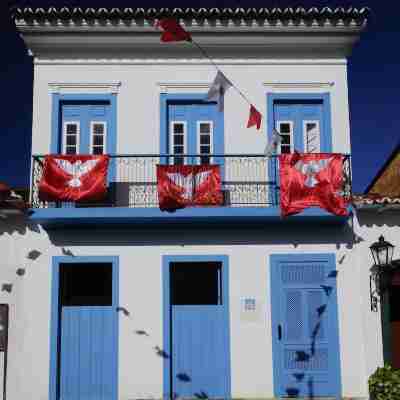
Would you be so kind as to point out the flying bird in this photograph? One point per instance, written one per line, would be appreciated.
(189, 182)
(76, 169)
(311, 169)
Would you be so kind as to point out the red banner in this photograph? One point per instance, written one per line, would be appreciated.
(74, 178)
(312, 180)
(173, 32)
(182, 186)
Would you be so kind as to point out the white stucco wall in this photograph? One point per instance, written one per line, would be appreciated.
(138, 106)
(140, 252)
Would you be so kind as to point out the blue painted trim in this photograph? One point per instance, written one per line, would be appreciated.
(55, 142)
(122, 215)
(54, 313)
(326, 137)
(165, 98)
(166, 260)
(334, 339)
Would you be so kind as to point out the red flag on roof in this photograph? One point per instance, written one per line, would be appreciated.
(182, 186)
(254, 117)
(74, 178)
(312, 180)
(173, 32)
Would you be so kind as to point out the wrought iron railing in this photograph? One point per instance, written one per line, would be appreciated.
(247, 180)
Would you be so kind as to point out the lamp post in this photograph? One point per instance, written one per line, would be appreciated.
(381, 276)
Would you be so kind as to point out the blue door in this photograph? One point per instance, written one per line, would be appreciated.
(301, 125)
(88, 332)
(305, 326)
(199, 330)
(85, 128)
(194, 128)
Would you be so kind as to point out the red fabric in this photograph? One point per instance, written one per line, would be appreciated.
(173, 32)
(74, 178)
(188, 185)
(254, 118)
(312, 180)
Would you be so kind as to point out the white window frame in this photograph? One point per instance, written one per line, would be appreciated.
(311, 121)
(104, 123)
(278, 128)
(171, 139)
(78, 134)
(211, 123)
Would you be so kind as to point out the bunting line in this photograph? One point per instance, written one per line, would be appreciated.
(205, 54)
(173, 31)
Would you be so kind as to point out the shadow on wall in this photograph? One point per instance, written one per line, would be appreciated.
(305, 358)
(227, 234)
(379, 217)
(17, 224)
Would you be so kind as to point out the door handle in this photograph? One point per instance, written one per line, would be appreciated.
(279, 332)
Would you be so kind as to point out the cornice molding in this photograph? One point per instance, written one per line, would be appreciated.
(168, 87)
(224, 39)
(105, 87)
(219, 61)
(279, 86)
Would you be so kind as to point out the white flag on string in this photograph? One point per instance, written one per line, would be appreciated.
(273, 144)
(218, 88)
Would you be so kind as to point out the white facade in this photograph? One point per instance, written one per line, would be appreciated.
(298, 59)
(140, 253)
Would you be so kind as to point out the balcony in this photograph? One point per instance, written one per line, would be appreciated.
(250, 185)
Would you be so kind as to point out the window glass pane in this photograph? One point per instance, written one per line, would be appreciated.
(86, 284)
(205, 127)
(178, 139)
(204, 139)
(284, 127)
(98, 150)
(285, 149)
(178, 128)
(196, 283)
(178, 149)
(312, 137)
(285, 139)
(98, 140)
(71, 129)
(98, 129)
(205, 149)
(70, 150)
(71, 140)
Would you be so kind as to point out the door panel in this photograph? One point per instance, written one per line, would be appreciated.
(304, 314)
(192, 114)
(88, 332)
(87, 343)
(302, 115)
(199, 331)
(85, 115)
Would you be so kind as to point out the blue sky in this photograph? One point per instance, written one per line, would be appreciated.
(374, 83)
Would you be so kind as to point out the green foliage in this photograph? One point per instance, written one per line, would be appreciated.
(384, 384)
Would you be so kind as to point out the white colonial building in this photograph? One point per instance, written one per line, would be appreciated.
(119, 300)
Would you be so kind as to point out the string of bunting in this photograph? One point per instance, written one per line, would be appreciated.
(173, 32)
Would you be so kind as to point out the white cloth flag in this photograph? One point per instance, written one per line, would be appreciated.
(218, 88)
(273, 144)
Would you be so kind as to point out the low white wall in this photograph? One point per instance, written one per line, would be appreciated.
(140, 253)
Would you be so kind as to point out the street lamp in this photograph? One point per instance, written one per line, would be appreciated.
(382, 253)
(382, 272)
